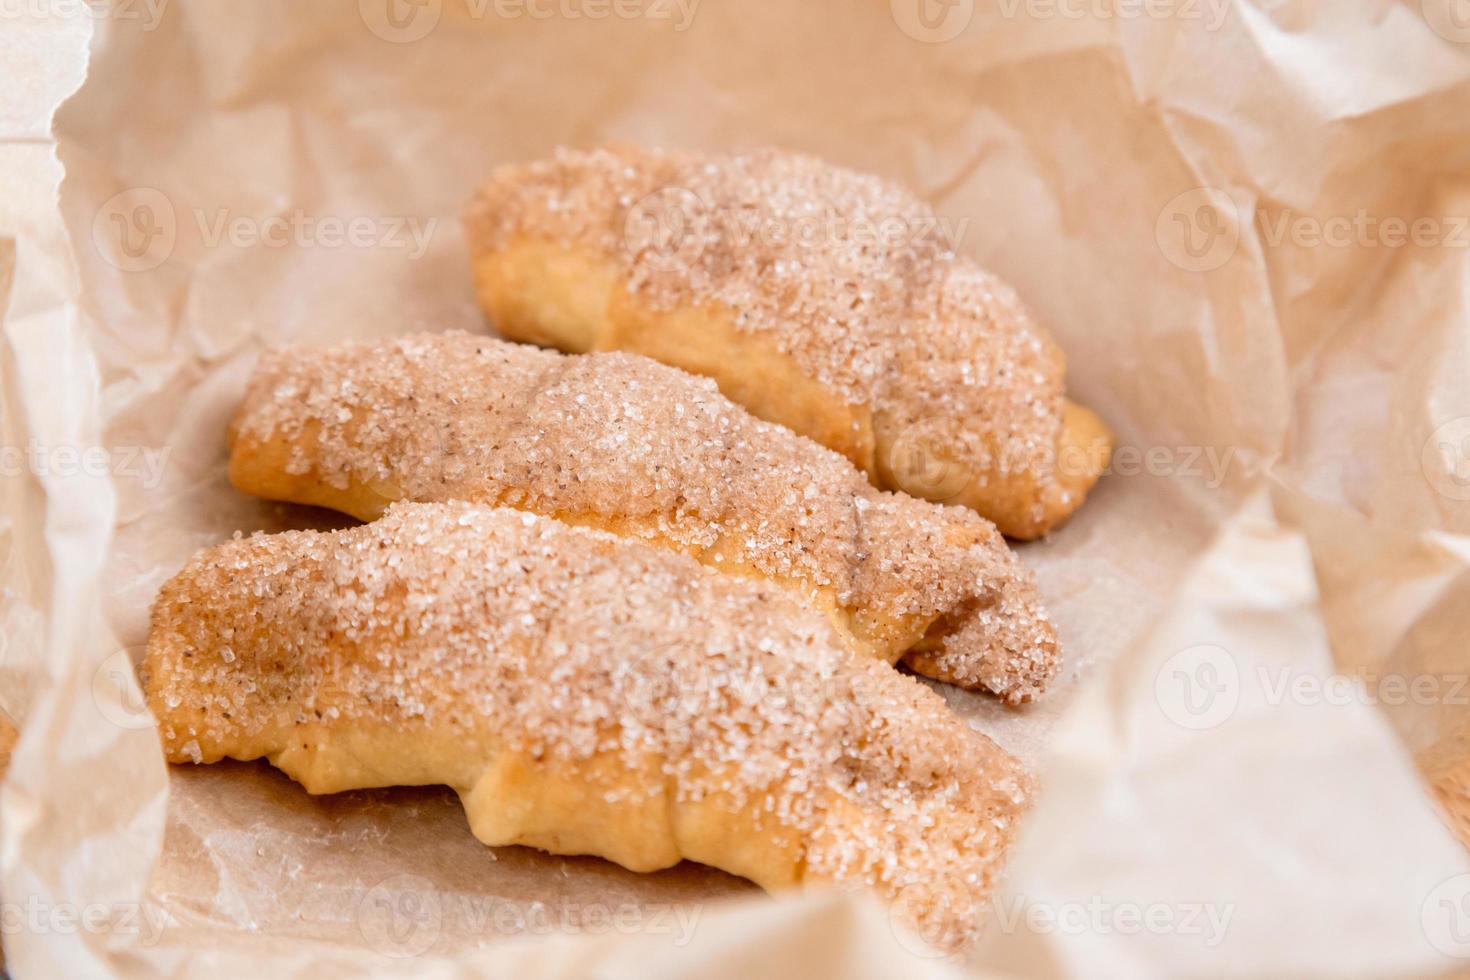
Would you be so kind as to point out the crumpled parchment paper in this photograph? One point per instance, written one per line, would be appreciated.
(1243, 221)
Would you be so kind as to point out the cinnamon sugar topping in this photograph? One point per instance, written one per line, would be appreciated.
(506, 630)
(852, 276)
(624, 443)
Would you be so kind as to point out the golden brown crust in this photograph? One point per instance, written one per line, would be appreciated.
(627, 445)
(9, 735)
(585, 694)
(822, 299)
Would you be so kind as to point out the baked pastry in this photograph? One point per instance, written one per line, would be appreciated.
(583, 694)
(634, 447)
(822, 299)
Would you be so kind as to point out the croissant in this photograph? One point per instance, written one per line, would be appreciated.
(822, 299)
(625, 444)
(584, 694)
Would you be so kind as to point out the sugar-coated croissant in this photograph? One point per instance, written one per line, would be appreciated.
(817, 297)
(584, 694)
(627, 445)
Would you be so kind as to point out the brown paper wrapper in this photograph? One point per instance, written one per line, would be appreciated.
(1200, 199)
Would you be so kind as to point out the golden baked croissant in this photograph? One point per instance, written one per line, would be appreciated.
(584, 694)
(819, 298)
(627, 445)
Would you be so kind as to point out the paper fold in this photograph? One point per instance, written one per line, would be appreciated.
(1289, 500)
